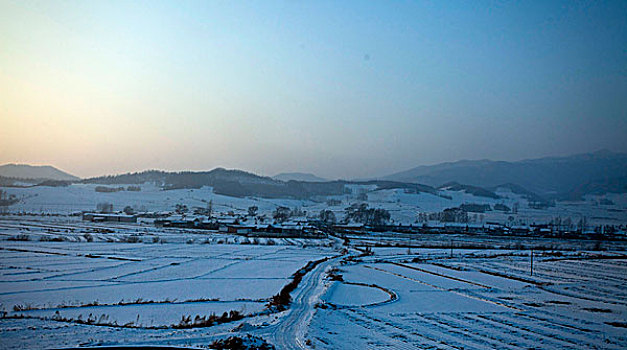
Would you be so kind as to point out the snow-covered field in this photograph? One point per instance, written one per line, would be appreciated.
(67, 283)
(478, 299)
(107, 282)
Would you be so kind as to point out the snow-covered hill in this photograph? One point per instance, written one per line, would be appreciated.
(405, 206)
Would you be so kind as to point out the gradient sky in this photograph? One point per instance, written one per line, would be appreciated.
(342, 89)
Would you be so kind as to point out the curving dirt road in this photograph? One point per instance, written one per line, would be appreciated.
(289, 333)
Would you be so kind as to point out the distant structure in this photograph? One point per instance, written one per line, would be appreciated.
(100, 217)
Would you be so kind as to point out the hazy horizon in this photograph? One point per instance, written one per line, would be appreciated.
(340, 90)
(390, 171)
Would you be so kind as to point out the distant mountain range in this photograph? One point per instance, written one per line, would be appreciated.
(538, 179)
(35, 172)
(237, 183)
(559, 177)
(299, 177)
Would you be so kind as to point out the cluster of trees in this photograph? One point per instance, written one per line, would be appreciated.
(104, 207)
(475, 208)
(281, 213)
(327, 217)
(447, 215)
(454, 215)
(450, 215)
(181, 209)
(106, 189)
(252, 211)
(368, 216)
(7, 199)
(567, 224)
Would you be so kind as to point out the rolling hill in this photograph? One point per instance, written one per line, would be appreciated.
(40, 172)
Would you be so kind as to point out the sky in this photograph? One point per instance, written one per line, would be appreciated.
(342, 89)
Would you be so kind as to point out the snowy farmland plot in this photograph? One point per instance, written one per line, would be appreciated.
(475, 299)
(107, 282)
(187, 290)
(66, 283)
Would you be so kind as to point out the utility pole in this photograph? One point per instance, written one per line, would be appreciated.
(531, 269)
(451, 248)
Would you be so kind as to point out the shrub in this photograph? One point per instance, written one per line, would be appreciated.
(238, 343)
(108, 189)
(131, 239)
(208, 321)
(51, 239)
(21, 237)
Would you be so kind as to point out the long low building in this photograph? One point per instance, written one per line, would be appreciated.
(109, 217)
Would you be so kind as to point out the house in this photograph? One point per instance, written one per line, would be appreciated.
(180, 221)
(236, 229)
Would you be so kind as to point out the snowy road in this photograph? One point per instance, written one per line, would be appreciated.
(289, 333)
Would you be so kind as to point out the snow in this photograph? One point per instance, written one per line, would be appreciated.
(148, 315)
(481, 296)
(273, 268)
(355, 295)
(480, 299)
(403, 207)
(141, 285)
(83, 197)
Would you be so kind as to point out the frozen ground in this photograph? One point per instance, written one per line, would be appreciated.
(479, 299)
(92, 287)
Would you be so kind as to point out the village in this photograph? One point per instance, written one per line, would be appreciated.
(284, 222)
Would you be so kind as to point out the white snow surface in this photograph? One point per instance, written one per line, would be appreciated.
(482, 295)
